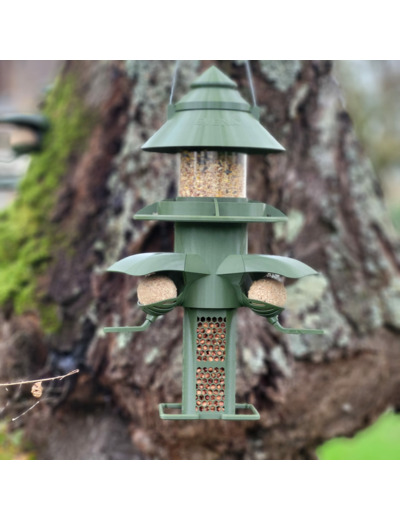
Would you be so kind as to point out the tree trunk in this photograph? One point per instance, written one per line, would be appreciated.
(73, 219)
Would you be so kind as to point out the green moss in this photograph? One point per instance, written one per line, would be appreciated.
(27, 235)
(12, 444)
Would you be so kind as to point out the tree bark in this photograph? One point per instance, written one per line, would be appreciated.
(307, 388)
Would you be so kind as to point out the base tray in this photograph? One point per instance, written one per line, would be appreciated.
(252, 416)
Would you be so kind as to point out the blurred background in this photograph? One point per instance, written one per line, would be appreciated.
(370, 91)
(22, 87)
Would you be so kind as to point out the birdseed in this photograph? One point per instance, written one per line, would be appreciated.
(212, 174)
(153, 288)
(268, 290)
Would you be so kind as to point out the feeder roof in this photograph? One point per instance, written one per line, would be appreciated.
(213, 116)
(213, 77)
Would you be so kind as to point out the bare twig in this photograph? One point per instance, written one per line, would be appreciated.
(35, 393)
(26, 411)
(41, 380)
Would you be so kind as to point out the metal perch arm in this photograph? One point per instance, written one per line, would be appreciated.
(145, 325)
(275, 322)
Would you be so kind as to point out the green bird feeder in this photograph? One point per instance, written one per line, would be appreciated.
(24, 133)
(210, 273)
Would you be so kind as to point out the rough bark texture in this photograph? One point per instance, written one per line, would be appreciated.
(307, 388)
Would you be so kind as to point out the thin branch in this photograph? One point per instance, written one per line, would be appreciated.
(41, 380)
(26, 411)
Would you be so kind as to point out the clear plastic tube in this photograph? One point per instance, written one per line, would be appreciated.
(212, 174)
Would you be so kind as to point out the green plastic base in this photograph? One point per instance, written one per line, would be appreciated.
(253, 416)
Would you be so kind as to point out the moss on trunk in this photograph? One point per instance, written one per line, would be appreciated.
(28, 235)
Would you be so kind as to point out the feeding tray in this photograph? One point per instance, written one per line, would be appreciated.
(245, 411)
(208, 209)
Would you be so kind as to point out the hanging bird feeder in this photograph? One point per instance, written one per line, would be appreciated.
(23, 134)
(210, 273)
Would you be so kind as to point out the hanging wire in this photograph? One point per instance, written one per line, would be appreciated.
(250, 79)
(174, 82)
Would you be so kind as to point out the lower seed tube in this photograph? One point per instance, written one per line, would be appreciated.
(209, 327)
(209, 358)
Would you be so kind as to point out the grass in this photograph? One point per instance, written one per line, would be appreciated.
(381, 441)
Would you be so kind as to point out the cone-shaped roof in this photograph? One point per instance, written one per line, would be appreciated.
(213, 116)
(213, 76)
